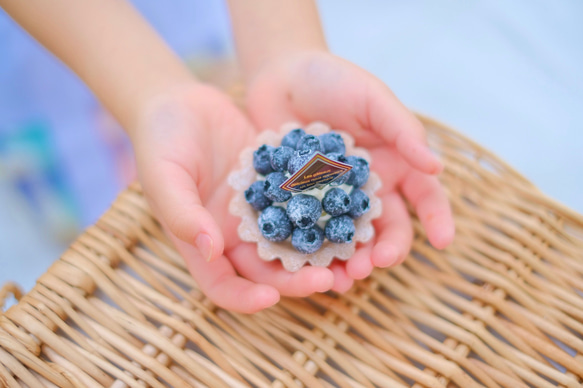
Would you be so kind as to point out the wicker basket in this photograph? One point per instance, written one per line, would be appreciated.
(502, 307)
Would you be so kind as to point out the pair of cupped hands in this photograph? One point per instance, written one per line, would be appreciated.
(189, 138)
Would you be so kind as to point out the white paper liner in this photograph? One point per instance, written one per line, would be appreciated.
(291, 259)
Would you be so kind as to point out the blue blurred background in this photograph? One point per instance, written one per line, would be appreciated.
(509, 74)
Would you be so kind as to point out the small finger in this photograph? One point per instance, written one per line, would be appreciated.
(175, 198)
(418, 154)
(395, 232)
(432, 206)
(397, 125)
(220, 283)
(342, 282)
(301, 283)
(359, 266)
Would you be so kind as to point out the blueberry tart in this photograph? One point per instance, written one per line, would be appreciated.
(305, 195)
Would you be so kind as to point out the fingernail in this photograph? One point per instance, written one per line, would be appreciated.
(386, 256)
(204, 243)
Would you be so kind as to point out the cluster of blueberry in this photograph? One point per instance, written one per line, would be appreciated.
(300, 214)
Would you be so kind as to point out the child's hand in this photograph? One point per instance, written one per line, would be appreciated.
(187, 141)
(315, 85)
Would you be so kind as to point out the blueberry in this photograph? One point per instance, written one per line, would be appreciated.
(298, 160)
(336, 202)
(341, 180)
(255, 196)
(292, 138)
(274, 224)
(340, 158)
(332, 142)
(271, 187)
(360, 203)
(335, 156)
(262, 159)
(340, 229)
(359, 173)
(280, 158)
(309, 142)
(307, 240)
(304, 210)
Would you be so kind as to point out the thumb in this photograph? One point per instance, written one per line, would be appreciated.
(397, 125)
(174, 196)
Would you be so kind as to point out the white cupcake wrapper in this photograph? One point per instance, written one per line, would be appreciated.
(291, 259)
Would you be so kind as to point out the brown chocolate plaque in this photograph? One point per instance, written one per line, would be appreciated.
(317, 172)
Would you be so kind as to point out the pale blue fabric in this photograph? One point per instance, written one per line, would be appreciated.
(57, 171)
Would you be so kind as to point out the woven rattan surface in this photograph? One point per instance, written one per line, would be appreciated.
(502, 307)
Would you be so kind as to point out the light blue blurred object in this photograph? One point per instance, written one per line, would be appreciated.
(59, 152)
(30, 166)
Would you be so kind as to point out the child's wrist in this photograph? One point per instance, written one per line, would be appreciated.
(265, 30)
(282, 57)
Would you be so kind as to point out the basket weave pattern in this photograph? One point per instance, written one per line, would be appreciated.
(502, 307)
